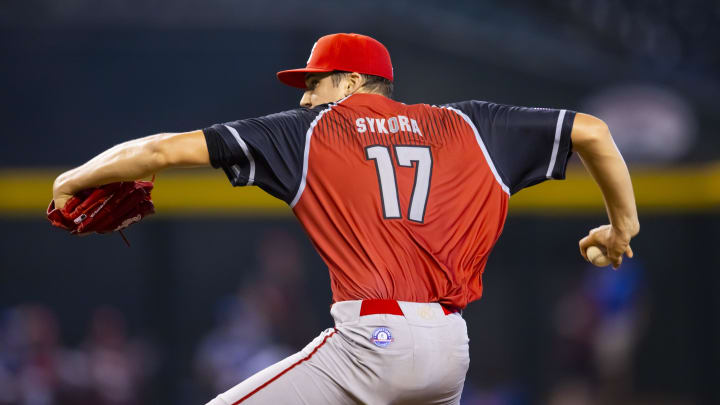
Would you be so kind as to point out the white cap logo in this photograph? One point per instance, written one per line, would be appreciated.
(311, 53)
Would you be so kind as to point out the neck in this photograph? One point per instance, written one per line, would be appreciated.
(364, 91)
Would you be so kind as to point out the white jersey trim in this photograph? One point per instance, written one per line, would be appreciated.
(306, 155)
(243, 146)
(485, 152)
(556, 143)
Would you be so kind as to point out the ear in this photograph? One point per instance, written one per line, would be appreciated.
(353, 82)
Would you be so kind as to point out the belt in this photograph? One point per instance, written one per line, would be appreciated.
(391, 307)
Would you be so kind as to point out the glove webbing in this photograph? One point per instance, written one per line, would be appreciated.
(127, 242)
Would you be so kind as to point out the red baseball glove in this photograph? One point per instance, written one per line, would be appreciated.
(104, 209)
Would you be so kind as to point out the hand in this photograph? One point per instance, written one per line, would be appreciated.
(611, 241)
(60, 196)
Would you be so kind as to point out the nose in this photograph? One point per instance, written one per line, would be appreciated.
(305, 100)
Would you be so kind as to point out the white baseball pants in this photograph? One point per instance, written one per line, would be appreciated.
(420, 357)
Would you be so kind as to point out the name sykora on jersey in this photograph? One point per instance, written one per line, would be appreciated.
(394, 125)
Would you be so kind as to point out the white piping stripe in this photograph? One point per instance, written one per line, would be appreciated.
(556, 143)
(482, 146)
(308, 135)
(243, 145)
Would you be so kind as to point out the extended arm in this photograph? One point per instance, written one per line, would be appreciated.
(592, 141)
(133, 160)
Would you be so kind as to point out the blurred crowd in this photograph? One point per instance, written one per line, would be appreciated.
(589, 357)
(265, 320)
(37, 368)
(268, 319)
(597, 325)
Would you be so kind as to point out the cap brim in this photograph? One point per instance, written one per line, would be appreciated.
(296, 77)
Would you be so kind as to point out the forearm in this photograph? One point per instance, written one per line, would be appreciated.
(127, 161)
(602, 159)
(613, 178)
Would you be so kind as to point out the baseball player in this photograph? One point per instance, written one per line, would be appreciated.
(403, 203)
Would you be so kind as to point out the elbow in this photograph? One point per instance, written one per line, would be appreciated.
(588, 131)
(600, 129)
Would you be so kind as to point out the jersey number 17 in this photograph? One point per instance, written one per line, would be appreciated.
(406, 155)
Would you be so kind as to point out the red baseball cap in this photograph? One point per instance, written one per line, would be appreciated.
(345, 52)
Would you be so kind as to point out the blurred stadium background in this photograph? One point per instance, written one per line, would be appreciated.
(222, 281)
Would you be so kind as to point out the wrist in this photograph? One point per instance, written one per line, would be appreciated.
(627, 229)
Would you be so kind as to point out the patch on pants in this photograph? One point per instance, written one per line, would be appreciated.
(382, 337)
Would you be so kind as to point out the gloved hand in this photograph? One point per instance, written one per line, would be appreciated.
(104, 209)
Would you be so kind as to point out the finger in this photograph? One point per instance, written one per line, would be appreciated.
(616, 260)
(584, 244)
(615, 254)
(582, 251)
(60, 202)
(629, 252)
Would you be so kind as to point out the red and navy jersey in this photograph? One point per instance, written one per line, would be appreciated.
(401, 201)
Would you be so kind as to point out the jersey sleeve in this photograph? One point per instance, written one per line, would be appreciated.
(266, 151)
(525, 145)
